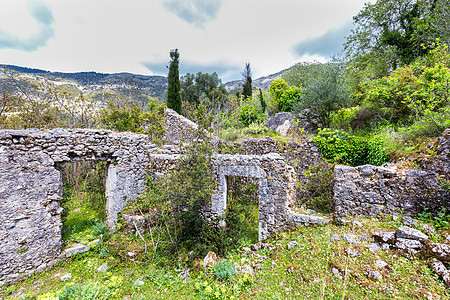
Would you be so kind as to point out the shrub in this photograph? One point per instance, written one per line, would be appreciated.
(339, 147)
(225, 270)
(343, 118)
(248, 114)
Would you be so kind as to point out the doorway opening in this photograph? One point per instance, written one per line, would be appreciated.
(84, 201)
(242, 209)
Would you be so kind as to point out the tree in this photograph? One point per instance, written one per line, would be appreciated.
(324, 93)
(174, 88)
(247, 77)
(262, 101)
(391, 33)
(203, 88)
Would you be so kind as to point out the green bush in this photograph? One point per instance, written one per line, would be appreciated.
(225, 270)
(248, 114)
(337, 146)
(343, 118)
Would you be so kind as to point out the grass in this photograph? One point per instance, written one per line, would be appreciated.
(304, 271)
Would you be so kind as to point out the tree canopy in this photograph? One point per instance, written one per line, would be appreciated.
(392, 33)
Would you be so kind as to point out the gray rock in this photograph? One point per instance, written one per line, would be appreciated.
(408, 221)
(103, 268)
(384, 237)
(351, 239)
(375, 275)
(246, 269)
(337, 273)
(380, 264)
(291, 244)
(406, 232)
(255, 247)
(438, 267)
(335, 237)
(439, 251)
(139, 282)
(351, 252)
(185, 275)
(428, 229)
(278, 119)
(385, 246)
(375, 247)
(246, 249)
(79, 248)
(408, 244)
(66, 277)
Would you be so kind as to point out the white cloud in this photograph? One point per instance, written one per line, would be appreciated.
(130, 36)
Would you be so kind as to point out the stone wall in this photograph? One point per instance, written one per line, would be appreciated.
(300, 154)
(276, 187)
(31, 187)
(371, 190)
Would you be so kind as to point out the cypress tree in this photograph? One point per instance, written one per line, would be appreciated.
(247, 87)
(263, 102)
(174, 89)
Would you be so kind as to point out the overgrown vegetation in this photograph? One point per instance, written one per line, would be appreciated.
(84, 201)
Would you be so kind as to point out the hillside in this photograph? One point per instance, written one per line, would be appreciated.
(93, 82)
(153, 85)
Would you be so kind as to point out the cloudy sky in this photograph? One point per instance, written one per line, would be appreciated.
(135, 36)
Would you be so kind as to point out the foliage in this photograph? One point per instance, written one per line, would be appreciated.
(343, 118)
(247, 78)
(204, 88)
(131, 117)
(174, 87)
(318, 187)
(300, 73)
(324, 93)
(262, 101)
(248, 114)
(337, 146)
(439, 220)
(283, 97)
(391, 33)
(225, 270)
(418, 93)
(84, 292)
(84, 201)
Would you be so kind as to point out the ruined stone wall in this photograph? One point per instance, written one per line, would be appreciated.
(31, 187)
(300, 154)
(371, 190)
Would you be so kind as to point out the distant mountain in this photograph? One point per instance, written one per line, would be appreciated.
(259, 83)
(93, 82)
(96, 84)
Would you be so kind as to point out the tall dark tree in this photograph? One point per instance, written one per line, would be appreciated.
(262, 101)
(247, 77)
(174, 88)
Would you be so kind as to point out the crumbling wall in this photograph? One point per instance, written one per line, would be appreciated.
(31, 188)
(372, 190)
(276, 187)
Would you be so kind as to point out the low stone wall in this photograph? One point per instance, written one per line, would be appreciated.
(371, 190)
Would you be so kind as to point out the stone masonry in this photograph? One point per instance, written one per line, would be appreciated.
(31, 187)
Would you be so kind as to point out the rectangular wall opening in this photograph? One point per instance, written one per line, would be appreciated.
(242, 211)
(84, 201)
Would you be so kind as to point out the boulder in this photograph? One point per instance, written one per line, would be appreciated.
(278, 120)
(406, 232)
